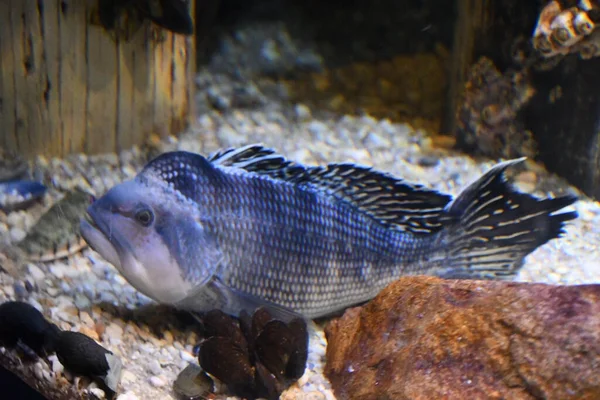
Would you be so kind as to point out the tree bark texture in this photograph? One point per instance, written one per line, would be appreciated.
(67, 86)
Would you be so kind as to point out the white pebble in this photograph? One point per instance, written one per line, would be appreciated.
(36, 273)
(187, 356)
(17, 234)
(58, 270)
(127, 396)
(113, 333)
(302, 112)
(157, 381)
(98, 393)
(155, 367)
(57, 367)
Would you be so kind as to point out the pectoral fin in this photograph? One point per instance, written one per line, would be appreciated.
(216, 294)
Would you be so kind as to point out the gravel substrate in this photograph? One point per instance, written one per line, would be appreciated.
(87, 294)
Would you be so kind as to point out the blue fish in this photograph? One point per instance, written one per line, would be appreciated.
(18, 194)
(246, 227)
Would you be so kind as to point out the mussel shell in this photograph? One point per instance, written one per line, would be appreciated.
(299, 355)
(217, 323)
(19, 321)
(192, 384)
(225, 360)
(274, 346)
(266, 385)
(28, 191)
(81, 354)
(260, 319)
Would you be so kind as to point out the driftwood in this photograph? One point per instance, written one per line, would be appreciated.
(563, 114)
(67, 86)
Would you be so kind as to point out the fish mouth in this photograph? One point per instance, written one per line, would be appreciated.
(94, 231)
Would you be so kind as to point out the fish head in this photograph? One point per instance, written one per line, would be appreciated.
(153, 237)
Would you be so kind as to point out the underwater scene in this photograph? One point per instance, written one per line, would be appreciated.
(271, 199)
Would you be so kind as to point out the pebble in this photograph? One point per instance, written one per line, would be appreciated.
(113, 333)
(128, 396)
(185, 356)
(317, 128)
(157, 381)
(375, 140)
(58, 270)
(303, 113)
(14, 218)
(36, 273)
(98, 393)
(57, 367)
(17, 234)
(82, 302)
(155, 367)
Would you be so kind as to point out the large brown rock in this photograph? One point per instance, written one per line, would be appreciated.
(427, 338)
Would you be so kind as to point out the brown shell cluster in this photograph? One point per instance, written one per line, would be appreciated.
(562, 29)
(487, 122)
(256, 357)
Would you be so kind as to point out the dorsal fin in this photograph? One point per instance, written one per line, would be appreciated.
(392, 201)
(262, 160)
(405, 206)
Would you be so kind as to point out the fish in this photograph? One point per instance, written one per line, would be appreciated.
(246, 227)
(20, 194)
(55, 235)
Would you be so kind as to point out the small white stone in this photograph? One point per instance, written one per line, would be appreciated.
(128, 377)
(157, 381)
(58, 270)
(155, 367)
(127, 396)
(113, 333)
(98, 393)
(38, 370)
(302, 112)
(36, 273)
(57, 367)
(187, 356)
(17, 234)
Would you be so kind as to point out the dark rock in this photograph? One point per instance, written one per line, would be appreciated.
(427, 338)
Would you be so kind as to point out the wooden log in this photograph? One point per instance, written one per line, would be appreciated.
(563, 115)
(67, 86)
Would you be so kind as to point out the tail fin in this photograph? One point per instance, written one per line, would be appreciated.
(491, 227)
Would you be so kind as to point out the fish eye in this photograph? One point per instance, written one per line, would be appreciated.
(145, 217)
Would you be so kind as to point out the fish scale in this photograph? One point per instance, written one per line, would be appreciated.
(246, 227)
(315, 247)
